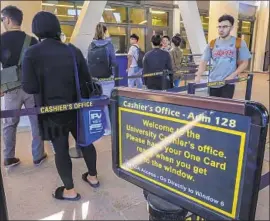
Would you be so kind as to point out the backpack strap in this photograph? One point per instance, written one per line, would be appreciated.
(138, 53)
(238, 42)
(26, 44)
(212, 44)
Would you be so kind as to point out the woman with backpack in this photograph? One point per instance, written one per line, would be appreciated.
(101, 62)
(176, 58)
(48, 72)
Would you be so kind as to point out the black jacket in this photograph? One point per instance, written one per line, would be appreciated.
(48, 73)
(157, 60)
(11, 46)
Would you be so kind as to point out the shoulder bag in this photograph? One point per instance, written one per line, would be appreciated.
(91, 121)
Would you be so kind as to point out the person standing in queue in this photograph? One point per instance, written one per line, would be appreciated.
(157, 60)
(101, 62)
(230, 57)
(166, 43)
(176, 57)
(49, 74)
(134, 59)
(13, 44)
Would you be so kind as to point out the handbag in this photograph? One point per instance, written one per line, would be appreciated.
(11, 76)
(94, 88)
(91, 121)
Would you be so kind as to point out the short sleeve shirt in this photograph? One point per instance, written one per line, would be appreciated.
(224, 56)
(134, 52)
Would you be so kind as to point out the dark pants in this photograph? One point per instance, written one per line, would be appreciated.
(226, 91)
(63, 161)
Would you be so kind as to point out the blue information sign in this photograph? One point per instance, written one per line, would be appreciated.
(204, 165)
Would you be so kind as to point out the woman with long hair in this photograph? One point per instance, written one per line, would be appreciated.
(49, 74)
(102, 64)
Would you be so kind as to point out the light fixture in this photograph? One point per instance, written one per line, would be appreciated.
(57, 5)
(66, 16)
(143, 22)
(157, 12)
(109, 9)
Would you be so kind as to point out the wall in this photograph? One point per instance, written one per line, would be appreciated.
(261, 34)
(28, 12)
(84, 30)
(218, 8)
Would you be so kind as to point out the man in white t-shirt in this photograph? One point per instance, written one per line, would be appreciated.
(132, 67)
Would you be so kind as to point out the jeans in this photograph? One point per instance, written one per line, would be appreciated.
(14, 100)
(135, 82)
(107, 87)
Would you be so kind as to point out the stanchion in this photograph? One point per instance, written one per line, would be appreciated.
(249, 87)
(191, 88)
(160, 209)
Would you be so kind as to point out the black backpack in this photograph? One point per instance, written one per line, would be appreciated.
(140, 57)
(98, 62)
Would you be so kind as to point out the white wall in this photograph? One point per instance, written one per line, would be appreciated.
(84, 30)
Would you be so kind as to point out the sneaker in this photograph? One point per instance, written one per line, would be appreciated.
(11, 162)
(40, 161)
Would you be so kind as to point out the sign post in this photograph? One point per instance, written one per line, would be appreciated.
(203, 154)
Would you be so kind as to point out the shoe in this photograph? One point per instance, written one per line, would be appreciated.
(84, 177)
(40, 161)
(11, 162)
(59, 192)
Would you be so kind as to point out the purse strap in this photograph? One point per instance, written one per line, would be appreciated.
(77, 81)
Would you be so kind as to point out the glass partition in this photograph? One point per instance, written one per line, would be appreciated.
(141, 33)
(159, 18)
(121, 20)
(137, 16)
(119, 38)
(113, 14)
(246, 27)
(67, 30)
(64, 10)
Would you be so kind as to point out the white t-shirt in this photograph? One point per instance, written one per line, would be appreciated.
(134, 52)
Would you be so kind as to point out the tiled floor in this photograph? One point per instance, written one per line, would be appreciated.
(28, 188)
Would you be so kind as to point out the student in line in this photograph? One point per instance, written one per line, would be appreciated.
(166, 43)
(230, 57)
(101, 62)
(157, 60)
(49, 74)
(133, 58)
(176, 57)
(12, 42)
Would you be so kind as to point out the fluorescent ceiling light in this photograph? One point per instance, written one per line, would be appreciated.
(117, 17)
(143, 22)
(66, 16)
(157, 12)
(109, 9)
(57, 5)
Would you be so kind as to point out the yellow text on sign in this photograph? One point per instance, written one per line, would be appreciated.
(242, 135)
(65, 107)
